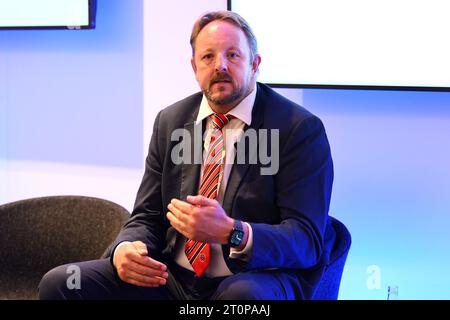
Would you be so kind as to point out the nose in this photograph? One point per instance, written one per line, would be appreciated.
(221, 63)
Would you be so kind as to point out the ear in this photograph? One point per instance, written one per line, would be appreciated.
(194, 66)
(256, 62)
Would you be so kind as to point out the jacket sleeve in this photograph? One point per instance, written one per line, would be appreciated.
(303, 190)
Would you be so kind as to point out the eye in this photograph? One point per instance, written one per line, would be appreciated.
(233, 55)
(207, 57)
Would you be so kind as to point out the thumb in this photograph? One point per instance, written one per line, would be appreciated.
(201, 201)
(140, 247)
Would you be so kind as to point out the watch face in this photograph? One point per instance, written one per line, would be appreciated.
(236, 238)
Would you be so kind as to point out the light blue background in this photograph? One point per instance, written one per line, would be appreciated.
(75, 96)
(391, 154)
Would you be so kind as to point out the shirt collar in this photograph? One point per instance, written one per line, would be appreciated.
(243, 111)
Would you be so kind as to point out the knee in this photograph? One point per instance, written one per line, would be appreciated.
(53, 284)
(239, 290)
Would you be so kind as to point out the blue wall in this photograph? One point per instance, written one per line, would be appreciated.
(391, 154)
(75, 96)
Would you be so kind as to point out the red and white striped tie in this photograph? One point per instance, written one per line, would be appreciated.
(198, 253)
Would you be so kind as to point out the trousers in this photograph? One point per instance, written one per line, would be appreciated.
(98, 280)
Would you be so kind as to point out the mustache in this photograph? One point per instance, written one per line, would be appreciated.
(221, 77)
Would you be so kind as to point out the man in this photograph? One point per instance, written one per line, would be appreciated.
(227, 226)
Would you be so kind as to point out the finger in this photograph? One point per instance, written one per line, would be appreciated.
(140, 284)
(176, 223)
(146, 271)
(182, 206)
(140, 247)
(147, 261)
(202, 201)
(178, 212)
(131, 275)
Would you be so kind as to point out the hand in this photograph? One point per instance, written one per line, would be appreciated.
(135, 267)
(201, 219)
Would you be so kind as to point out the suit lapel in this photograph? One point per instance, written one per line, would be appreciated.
(238, 171)
(190, 170)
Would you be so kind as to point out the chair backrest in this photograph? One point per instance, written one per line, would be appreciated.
(41, 233)
(328, 288)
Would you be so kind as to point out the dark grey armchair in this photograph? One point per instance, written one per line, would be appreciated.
(39, 234)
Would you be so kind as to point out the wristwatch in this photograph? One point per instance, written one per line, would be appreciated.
(236, 235)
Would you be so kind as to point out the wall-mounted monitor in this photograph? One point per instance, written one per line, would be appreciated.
(47, 14)
(381, 44)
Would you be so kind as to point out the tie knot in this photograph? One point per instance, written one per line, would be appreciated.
(220, 119)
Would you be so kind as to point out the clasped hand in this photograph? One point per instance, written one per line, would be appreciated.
(201, 219)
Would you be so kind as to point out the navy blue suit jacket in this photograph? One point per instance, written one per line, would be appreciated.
(288, 211)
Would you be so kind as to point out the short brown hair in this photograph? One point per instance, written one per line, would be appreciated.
(228, 16)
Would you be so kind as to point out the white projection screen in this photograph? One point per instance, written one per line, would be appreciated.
(404, 44)
(46, 14)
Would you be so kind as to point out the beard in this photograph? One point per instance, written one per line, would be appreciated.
(237, 94)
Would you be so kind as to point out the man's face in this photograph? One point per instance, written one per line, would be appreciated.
(222, 64)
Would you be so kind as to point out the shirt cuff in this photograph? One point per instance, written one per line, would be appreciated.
(244, 253)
